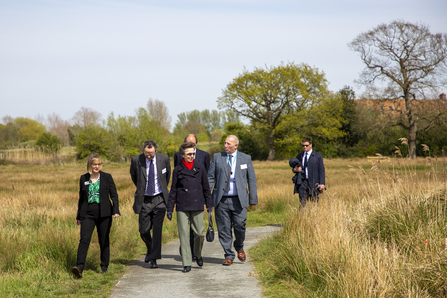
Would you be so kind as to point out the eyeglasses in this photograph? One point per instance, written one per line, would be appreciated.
(149, 154)
(190, 154)
(306, 145)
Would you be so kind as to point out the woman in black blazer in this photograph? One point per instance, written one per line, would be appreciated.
(190, 190)
(98, 201)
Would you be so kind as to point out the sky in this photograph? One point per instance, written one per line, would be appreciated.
(57, 56)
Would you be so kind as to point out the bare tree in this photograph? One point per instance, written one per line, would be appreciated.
(159, 112)
(410, 59)
(86, 117)
(59, 127)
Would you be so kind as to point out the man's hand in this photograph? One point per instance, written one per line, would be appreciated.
(210, 209)
(321, 187)
(169, 215)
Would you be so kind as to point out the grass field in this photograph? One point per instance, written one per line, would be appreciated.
(378, 231)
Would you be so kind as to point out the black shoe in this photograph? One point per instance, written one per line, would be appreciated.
(146, 258)
(153, 264)
(104, 269)
(200, 261)
(77, 272)
(186, 269)
(194, 257)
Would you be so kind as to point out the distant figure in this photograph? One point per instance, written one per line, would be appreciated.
(189, 192)
(98, 202)
(233, 177)
(151, 172)
(201, 157)
(313, 173)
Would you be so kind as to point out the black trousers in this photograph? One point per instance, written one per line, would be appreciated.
(151, 217)
(88, 224)
(306, 193)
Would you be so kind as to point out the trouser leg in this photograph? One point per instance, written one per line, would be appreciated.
(183, 218)
(88, 224)
(145, 226)
(303, 192)
(197, 226)
(103, 229)
(223, 222)
(239, 217)
(157, 228)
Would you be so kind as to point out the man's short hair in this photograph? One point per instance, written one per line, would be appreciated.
(185, 146)
(150, 144)
(184, 141)
(309, 140)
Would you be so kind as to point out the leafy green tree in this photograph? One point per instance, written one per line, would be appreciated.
(411, 60)
(49, 143)
(251, 140)
(28, 129)
(321, 120)
(92, 139)
(266, 96)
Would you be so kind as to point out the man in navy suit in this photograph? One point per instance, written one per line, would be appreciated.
(313, 173)
(232, 178)
(201, 157)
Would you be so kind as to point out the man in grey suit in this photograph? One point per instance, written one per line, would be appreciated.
(312, 171)
(232, 178)
(150, 172)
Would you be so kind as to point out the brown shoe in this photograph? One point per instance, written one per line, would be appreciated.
(241, 255)
(227, 262)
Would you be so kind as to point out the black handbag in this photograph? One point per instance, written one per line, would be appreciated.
(210, 231)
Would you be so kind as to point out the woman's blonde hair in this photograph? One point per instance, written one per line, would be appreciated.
(91, 159)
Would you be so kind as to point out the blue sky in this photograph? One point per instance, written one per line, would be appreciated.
(112, 56)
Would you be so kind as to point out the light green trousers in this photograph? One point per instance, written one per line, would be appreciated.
(197, 225)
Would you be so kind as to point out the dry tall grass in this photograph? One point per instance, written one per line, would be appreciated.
(378, 231)
(365, 238)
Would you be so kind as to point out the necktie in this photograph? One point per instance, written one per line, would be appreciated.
(305, 164)
(227, 188)
(150, 179)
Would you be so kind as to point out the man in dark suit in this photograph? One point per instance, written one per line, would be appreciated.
(313, 173)
(232, 178)
(150, 172)
(201, 157)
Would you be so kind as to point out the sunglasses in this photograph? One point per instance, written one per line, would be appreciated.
(306, 145)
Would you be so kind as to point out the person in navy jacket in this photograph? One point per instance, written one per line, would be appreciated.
(313, 173)
(190, 191)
